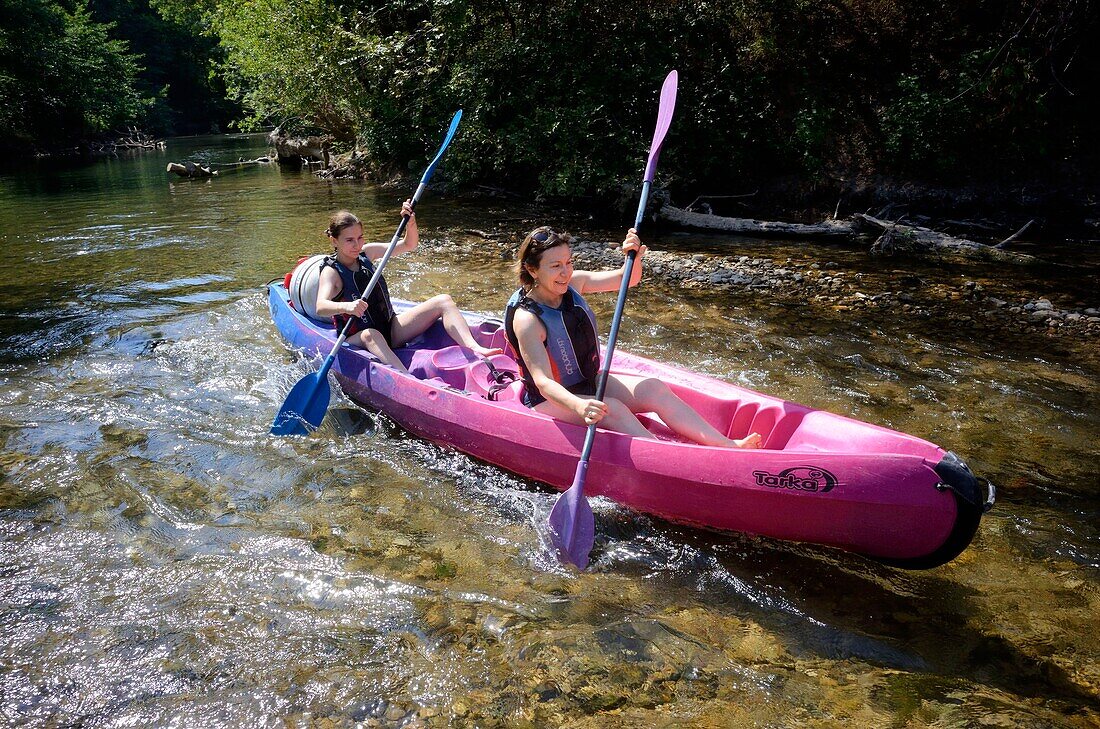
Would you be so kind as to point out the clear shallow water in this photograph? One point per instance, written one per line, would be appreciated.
(163, 561)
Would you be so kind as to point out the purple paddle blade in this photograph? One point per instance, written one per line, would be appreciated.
(664, 119)
(572, 526)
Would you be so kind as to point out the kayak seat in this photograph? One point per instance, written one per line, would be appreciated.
(715, 410)
(429, 364)
(657, 427)
(784, 428)
(511, 393)
(742, 419)
(490, 333)
(775, 423)
(763, 423)
(495, 378)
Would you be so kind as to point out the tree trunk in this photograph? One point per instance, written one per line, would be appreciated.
(914, 239)
(836, 230)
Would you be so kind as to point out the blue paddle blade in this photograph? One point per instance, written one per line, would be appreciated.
(572, 526)
(443, 147)
(304, 408)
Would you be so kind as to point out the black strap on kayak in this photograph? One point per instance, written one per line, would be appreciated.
(501, 379)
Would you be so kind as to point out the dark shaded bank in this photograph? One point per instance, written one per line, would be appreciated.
(987, 212)
(1055, 303)
(560, 96)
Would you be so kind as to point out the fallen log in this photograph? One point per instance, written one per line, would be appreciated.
(898, 237)
(836, 230)
(241, 161)
(190, 170)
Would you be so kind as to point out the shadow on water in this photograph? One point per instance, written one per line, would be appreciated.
(820, 603)
(827, 603)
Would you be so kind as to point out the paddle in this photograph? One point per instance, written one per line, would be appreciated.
(305, 406)
(572, 526)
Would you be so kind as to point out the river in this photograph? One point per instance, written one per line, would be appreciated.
(166, 562)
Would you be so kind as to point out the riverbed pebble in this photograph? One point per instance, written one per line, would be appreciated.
(831, 285)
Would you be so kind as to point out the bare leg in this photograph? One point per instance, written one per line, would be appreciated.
(373, 341)
(416, 321)
(619, 418)
(646, 394)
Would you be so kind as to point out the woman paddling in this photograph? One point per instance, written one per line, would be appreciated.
(375, 326)
(553, 330)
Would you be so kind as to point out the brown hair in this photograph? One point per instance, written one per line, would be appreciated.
(340, 219)
(537, 242)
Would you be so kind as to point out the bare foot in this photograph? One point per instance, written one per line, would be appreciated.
(487, 351)
(752, 440)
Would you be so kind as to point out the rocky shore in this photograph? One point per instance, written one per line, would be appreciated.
(831, 285)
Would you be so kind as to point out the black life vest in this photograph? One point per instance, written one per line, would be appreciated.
(571, 341)
(380, 313)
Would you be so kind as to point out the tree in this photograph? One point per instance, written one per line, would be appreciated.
(62, 77)
(179, 58)
(559, 94)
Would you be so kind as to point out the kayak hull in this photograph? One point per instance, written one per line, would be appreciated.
(821, 478)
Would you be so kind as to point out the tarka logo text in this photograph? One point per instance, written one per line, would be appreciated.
(799, 478)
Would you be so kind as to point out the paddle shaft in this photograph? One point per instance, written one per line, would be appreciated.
(572, 525)
(620, 305)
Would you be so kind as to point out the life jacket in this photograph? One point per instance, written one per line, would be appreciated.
(571, 341)
(379, 314)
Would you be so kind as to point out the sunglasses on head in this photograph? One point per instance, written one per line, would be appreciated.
(550, 236)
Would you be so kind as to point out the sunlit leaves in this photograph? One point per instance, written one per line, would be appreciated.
(560, 95)
(64, 77)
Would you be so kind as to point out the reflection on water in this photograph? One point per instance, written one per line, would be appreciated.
(165, 561)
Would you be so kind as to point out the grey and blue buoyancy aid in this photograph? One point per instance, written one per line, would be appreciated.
(571, 341)
(379, 314)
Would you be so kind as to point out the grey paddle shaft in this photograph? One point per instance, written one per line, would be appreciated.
(613, 334)
(572, 525)
(393, 243)
(386, 256)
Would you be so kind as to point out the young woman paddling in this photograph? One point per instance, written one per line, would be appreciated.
(375, 326)
(550, 326)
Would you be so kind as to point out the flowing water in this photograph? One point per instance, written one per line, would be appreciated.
(164, 561)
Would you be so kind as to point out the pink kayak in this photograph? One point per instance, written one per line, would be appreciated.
(820, 477)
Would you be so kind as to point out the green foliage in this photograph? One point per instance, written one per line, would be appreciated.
(73, 70)
(289, 58)
(62, 75)
(178, 57)
(560, 95)
(913, 135)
